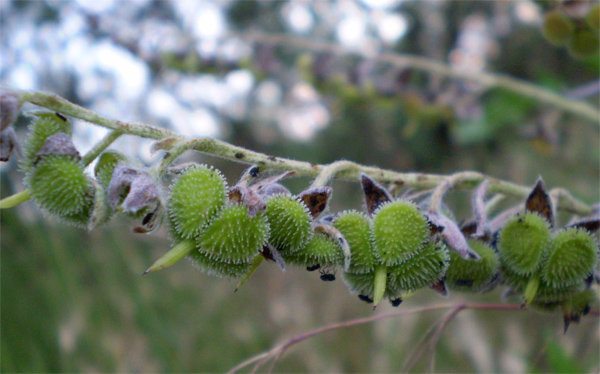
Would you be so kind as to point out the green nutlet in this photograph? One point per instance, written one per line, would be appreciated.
(197, 195)
(572, 257)
(217, 268)
(356, 228)
(399, 232)
(422, 270)
(60, 185)
(321, 250)
(290, 221)
(233, 236)
(523, 242)
(469, 275)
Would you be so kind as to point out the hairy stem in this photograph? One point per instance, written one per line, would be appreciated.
(345, 170)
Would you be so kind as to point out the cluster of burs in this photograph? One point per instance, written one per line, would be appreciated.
(574, 25)
(393, 249)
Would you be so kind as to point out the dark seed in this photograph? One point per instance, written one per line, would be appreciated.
(313, 268)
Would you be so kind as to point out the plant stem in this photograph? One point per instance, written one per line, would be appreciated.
(14, 200)
(345, 170)
(100, 147)
(278, 350)
(487, 80)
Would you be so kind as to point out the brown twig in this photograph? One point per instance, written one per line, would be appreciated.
(279, 349)
(438, 332)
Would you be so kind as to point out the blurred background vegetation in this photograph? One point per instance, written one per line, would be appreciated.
(74, 301)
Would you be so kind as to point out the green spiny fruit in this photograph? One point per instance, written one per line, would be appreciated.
(106, 165)
(43, 125)
(572, 257)
(233, 236)
(399, 232)
(593, 17)
(472, 276)
(364, 284)
(544, 293)
(217, 268)
(584, 43)
(422, 270)
(321, 250)
(290, 223)
(558, 29)
(60, 185)
(523, 242)
(356, 228)
(579, 305)
(197, 195)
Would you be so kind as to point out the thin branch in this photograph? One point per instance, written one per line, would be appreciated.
(350, 171)
(420, 347)
(100, 147)
(306, 335)
(438, 332)
(487, 80)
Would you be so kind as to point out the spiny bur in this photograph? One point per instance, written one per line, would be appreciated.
(422, 270)
(197, 195)
(572, 257)
(469, 275)
(321, 250)
(364, 285)
(356, 228)
(523, 242)
(399, 232)
(233, 236)
(290, 223)
(217, 268)
(57, 179)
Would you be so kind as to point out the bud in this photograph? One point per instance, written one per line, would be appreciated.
(9, 108)
(132, 189)
(43, 125)
(105, 166)
(8, 142)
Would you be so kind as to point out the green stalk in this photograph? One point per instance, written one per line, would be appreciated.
(255, 264)
(532, 287)
(175, 254)
(379, 284)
